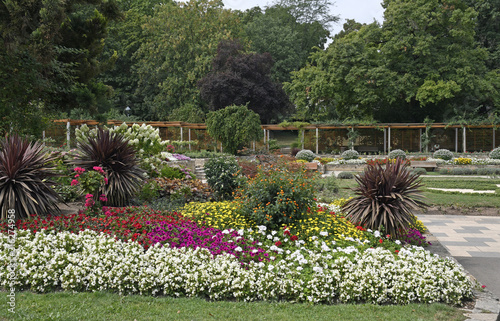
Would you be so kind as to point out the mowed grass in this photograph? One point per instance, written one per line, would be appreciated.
(439, 198)
(109, 306)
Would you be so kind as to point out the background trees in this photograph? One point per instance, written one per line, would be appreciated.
(423, 61)
(181, 41)
(239, 78)
(50, 53)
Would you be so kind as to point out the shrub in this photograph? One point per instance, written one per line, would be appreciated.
(488, 171)
(149, 191)
(278, 196)
(234, 126)
(495, 153)
(118, 160)
(25, 173)
(462, 171)
(345, 175)
(420, 171)
(306, 155)
(443, 154)
(350, 154)
(397, 153)
(222, 176)
(445, 171)
(386, 198)
(326, 188)
(183, 191)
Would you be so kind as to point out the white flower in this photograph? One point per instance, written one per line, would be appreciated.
(262, 228)
(323, 233)
(238, 249)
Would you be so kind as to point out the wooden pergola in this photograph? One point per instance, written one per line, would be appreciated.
(385, 127)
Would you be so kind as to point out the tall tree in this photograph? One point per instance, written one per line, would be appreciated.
(181, 42)
(50, 52)
(423, 61)
(239, 78)
(125, 38)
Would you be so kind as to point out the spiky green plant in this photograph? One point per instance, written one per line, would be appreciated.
(387, 197)
(117, 158)
(25, 172)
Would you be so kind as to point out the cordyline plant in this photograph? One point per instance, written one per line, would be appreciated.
(117, 158)
(25, 172)
(387, 196)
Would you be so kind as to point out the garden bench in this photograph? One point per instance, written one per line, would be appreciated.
(424, 164)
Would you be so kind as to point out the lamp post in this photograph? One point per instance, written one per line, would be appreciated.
(127, 111)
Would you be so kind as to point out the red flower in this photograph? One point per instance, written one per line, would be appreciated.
(397, 251)
(360, 228)
(294, 238)
(287, 232)
(278, 243)
(381, 241)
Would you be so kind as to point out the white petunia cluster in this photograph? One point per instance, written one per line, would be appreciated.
(94, 262)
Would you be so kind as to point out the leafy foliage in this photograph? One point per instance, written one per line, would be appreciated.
(278, 195)
(238, 78)
(495, 153)
(306, 154)
(443, 154)
(345, 175)
(25, 173)
(234, 126)
(180, 42)
(221, 174)
(117, 158)
(350, 154)
(397, 153)
(386, 198)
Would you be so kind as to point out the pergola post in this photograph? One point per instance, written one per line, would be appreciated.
(68, 134)
(385, 140)
(464, 141)
(493, 138)
(181, 134)
(420, 140)
(302, 138)
(317, 140)
(389, 140)
(456, 140)
(189, 137)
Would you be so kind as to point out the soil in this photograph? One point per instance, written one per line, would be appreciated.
(459, 210)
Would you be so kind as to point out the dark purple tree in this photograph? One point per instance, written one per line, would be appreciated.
(239, 78)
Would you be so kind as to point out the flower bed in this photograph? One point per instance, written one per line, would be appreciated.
(94, 262)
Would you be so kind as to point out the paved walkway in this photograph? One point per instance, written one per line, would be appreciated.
(474, 241)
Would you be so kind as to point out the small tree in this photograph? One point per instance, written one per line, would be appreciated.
(234, 126)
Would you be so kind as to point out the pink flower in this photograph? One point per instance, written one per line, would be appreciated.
(77, 175)
(89, 202)
(79, 170)
(98, 169)
(105, 209)
(89, 196)
(106, 180)
(74, 182)
(103, 198)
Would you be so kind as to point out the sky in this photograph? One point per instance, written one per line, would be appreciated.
(364, 11)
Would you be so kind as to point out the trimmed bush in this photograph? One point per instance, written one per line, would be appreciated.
(420, 171)
(443, 154)
(495, 154)
(350, 154)
(445, 171)
(221, 174)
(397, 153)
(345, 175)
(306, 155)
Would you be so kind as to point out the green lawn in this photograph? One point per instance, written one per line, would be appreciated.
(108, 306)
(438, 198)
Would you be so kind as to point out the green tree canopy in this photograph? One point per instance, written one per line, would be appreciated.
(423, 61)
(50, 53)
(181, 41)
(234, 126)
